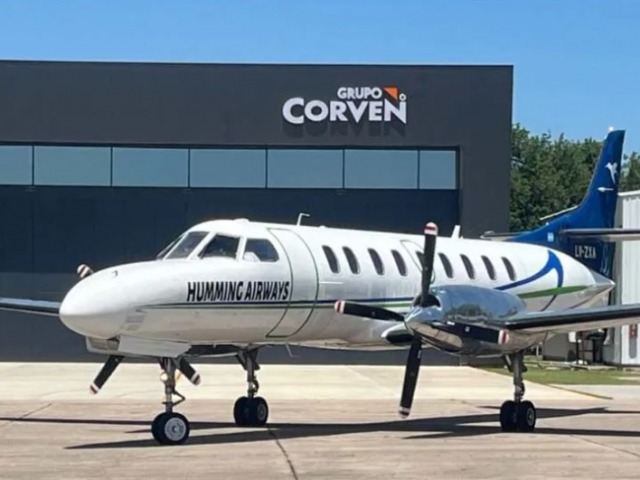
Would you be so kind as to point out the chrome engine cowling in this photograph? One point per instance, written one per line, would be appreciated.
(454, 320)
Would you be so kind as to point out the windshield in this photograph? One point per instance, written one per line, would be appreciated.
(187, 244)
(221, 246)
(164, 251)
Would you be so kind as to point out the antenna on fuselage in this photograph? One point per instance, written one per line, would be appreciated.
(300, 215)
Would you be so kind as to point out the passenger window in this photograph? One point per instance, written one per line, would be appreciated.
(468, 266)
(402, 267)
(221, 246)
(448, 269)
(377, 262)
(260, 250)
(490, 270)
(510, 271)
(352, 260)
(187, 244)
(331, 259)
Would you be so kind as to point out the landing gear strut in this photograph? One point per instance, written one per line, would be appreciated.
(516, 414)
(169, 427)
(250, 411)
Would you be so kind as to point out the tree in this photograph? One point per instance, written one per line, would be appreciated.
(549, 175)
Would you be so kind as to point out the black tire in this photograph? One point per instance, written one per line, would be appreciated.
(527, 416)
(258, 412)
(154, 427)
(173, 429)
(508, 416)
(241, 412)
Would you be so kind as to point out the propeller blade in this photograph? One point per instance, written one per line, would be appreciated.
(84, 271)
(105, 372)
(366, 311)
(430, 237)
(188, 371)
(410, 377)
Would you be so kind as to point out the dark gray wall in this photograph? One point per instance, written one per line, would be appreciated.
(466, 107)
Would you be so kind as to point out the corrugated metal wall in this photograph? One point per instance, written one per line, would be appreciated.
(624, 347)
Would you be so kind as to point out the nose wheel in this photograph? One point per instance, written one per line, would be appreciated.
(251, 410)
(169, 427)
(517, 415)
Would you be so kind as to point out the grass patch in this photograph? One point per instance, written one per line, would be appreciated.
(574, 376)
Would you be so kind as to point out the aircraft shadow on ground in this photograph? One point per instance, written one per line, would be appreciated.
(419, 428)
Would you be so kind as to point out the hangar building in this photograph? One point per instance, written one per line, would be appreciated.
(104, 163)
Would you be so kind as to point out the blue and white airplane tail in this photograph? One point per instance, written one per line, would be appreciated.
(587, 232)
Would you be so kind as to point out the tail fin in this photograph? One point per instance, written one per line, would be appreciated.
(586, 232)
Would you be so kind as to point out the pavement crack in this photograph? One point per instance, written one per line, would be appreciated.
(28, 414)
(615, 449)
(292, 469)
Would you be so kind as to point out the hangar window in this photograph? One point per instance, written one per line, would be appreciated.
(510, 270)
(331, 259)
(221, 246)
(15, 165)
(380, 168)
(150, 167)
(228, 168)
(261, 250)
(448, 269)
(187, 244)
(90, 166)
(438, 170)
(304, 168)
(468, 266)
(377, 262)
(402, 267)
(489, 266)
(354, 266)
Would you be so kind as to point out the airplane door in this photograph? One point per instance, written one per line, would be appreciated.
(304, 283)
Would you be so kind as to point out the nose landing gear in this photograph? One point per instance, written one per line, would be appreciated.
(517, 415)
(250, 411)
(169, 427)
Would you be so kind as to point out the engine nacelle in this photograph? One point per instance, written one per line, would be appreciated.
(454, 320)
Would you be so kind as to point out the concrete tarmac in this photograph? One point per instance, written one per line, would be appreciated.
(326, 422)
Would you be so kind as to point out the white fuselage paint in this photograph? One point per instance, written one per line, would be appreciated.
(216, 300)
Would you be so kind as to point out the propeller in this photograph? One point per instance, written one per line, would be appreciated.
(426, 300)
(366, 311)
(105, 372)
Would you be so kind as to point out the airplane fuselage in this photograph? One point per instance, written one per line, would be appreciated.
(234, 296)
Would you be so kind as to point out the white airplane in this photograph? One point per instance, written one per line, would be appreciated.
(229, 287)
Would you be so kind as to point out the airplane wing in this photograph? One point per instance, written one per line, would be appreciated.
(37, 307)
(571, 320)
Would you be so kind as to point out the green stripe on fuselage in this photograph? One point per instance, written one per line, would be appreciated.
(551, 292)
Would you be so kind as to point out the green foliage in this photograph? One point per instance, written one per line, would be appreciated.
(549, 175)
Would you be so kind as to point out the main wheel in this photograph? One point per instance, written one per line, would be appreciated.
(527, 416)
(258, 412)
(241, 412)
(508, 416)
(171, 429)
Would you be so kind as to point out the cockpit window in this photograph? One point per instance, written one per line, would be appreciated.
(164, 251)
(187, 244)
(221, 246)
(260, 250)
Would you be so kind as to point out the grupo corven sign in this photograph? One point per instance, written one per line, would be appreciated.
(353, 105)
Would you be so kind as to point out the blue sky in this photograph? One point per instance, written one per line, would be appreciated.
(576, 62)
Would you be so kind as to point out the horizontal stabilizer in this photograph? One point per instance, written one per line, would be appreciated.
(604, 234)
(499, 236)
(36, 307)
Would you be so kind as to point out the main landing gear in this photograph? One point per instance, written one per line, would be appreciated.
(517, 415)
(250, 411)
(169, 427)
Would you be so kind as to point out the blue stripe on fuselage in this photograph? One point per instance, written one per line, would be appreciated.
(553, 263)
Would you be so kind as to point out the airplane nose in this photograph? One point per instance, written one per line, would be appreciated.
(94, 308)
